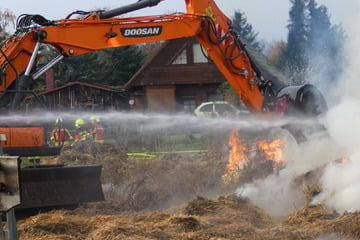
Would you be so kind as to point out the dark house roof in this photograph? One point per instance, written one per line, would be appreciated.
(158, 69)
(73, 84)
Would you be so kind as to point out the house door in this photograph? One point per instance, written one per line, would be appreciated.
(161, 99)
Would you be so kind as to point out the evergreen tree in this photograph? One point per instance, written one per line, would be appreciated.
(319, 24)
(314, 47)
(126, 62)
(80, 68)
(293, 60)
(246, 31)
(324, 48)
(107, 67)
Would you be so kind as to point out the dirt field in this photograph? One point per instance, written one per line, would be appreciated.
(181, 196)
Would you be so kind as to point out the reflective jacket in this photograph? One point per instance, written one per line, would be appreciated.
(82, 134)
(97, 132)
(60, 136)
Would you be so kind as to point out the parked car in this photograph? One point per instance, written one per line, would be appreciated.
(218, 109)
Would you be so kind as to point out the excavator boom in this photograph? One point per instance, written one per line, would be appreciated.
(204, 20)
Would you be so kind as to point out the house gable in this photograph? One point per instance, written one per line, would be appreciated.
(163, 68)
(177, 74)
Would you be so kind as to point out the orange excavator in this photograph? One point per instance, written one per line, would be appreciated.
(105, 29)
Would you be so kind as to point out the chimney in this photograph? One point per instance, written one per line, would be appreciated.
(49, 75)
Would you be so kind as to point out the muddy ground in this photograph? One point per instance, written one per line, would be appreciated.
(181, 196)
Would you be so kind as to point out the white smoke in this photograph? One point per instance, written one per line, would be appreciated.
(340, 183)
(279, 194)
(275, 194)
(341, 187)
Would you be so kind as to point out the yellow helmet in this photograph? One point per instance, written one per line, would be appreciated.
(79, 122)
(58, 120)
(94, 119)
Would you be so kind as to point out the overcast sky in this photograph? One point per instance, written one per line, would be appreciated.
(268, 17)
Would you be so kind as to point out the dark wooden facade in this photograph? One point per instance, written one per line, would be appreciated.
(177, 77)
(79, 96)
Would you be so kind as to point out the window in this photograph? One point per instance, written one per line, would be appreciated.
(189, 105)
(207, 108)
(181, 58)
(198, 54)
(221, 107)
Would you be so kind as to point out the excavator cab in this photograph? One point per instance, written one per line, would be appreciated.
(306, 100)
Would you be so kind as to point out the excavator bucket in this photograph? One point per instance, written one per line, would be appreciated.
(45, 186)
(59, 186)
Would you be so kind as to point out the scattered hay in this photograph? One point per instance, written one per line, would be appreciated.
(225, 218)
(234, 208)
(186, 224)
(310, 214)
(160, 199)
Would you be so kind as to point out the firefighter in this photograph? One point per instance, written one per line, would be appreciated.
(82, 133)
(60, 135)
(97, 130)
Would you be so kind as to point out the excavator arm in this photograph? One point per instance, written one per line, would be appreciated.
(102, 30)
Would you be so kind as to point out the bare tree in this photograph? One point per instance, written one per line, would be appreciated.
(7, 20)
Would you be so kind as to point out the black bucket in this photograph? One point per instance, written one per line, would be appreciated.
(58, 185)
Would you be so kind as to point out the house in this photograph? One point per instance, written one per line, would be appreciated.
(176, 78)
(79, 96)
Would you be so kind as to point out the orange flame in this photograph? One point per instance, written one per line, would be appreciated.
(342, 160)
(237, 154)
(272, 149)
(240, 154)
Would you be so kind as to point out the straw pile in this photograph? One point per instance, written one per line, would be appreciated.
(224, 218)
(180, 197)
